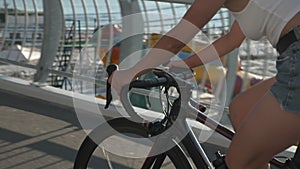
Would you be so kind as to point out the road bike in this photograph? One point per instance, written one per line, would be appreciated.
(171, 141)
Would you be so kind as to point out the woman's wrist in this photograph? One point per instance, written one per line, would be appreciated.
(137, 71)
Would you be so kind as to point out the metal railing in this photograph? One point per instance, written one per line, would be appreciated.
(42, 41)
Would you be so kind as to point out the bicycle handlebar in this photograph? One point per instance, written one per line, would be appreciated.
(149, 83)
(162, 79)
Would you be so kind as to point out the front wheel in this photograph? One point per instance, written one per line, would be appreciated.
(102, 149)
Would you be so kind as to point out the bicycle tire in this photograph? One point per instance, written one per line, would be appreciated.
(122, 125)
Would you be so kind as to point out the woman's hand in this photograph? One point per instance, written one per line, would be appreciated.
(120, 78)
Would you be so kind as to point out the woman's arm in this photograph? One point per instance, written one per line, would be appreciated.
(218, 48)
(171, 43)
(198, 15)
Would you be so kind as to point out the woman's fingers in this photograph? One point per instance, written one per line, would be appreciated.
(120, 78)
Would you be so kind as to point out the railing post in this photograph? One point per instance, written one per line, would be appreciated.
(132, 27)
(53, 23)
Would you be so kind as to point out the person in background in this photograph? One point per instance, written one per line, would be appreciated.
(266, 117)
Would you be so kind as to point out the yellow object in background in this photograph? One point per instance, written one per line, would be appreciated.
(115, 54)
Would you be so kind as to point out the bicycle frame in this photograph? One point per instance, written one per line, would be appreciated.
(190, 141)
(192, 145)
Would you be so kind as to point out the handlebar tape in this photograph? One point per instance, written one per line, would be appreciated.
(148, 83)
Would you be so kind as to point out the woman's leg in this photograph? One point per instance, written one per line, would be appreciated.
(244, 102)
(265, 131)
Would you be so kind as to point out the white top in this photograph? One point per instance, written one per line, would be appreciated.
(266, 18)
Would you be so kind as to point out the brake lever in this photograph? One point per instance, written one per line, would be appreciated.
(110, 69)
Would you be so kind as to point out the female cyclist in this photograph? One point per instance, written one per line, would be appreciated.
(266, 117)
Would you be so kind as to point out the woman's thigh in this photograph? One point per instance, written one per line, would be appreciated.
(265, 131)
(244, 102)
